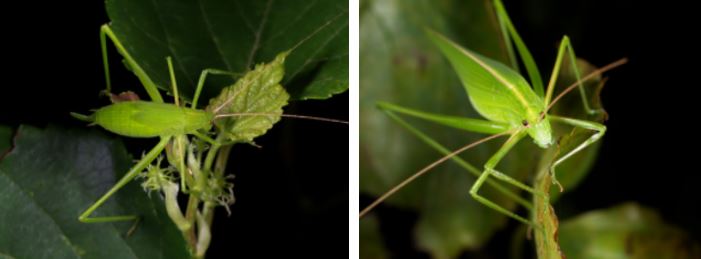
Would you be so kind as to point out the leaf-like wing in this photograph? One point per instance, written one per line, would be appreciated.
(495, 90)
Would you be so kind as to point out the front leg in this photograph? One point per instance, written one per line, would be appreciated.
(203, 78)
(600, 131)
(489, 170)
(566, 46)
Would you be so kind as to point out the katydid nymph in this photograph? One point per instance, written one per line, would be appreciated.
(512, 107)
(202, 174)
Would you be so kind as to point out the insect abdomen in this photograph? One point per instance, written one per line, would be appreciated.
(142, 119)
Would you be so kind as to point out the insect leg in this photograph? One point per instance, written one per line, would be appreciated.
(489, 170)
(173, 82)
(600, 131)
(203, 77)
(133, 172)
(508, 29)
(461, 162)
(565, 45)
(468, 124)
(149, 85)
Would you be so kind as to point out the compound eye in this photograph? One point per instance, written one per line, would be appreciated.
(525, 123)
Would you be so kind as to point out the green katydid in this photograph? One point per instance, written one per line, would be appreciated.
(511, 106)
(172, 122)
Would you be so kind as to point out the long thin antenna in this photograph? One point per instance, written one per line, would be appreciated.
(243, 114)
(599, 71)
(426, 169)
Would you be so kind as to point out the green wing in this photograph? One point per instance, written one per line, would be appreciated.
(496, 91)
(149, 119)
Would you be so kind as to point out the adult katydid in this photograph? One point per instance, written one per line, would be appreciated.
(512, 107)
(173, 122)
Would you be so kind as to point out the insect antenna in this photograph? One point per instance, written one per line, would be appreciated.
(322, 27)
(305, 117)
(426, 169)
(596, 72)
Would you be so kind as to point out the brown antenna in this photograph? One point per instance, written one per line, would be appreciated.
(426, 169)
(599, 71)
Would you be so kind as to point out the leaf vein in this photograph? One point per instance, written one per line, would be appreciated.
(214, 38)
(258, 33)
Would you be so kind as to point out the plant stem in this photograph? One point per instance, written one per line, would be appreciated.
(222, 159)
(190, 213)
(198, 243)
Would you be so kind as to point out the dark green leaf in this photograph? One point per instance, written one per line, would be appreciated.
(235, 35)
(625, 231)
(258, 92)
(53, 175)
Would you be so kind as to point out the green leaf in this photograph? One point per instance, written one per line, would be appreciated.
(625, 231)
(257, 96)
(235, 35)
(400, 65)
(53, 175)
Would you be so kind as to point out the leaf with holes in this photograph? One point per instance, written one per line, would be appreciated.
(251, 106)
(235, 35)
(50, 176)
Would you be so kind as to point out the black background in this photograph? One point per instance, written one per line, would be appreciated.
(650, 152)
(291, 195)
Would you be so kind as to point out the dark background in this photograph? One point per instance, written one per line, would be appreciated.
(291, 195)
(649, 154)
